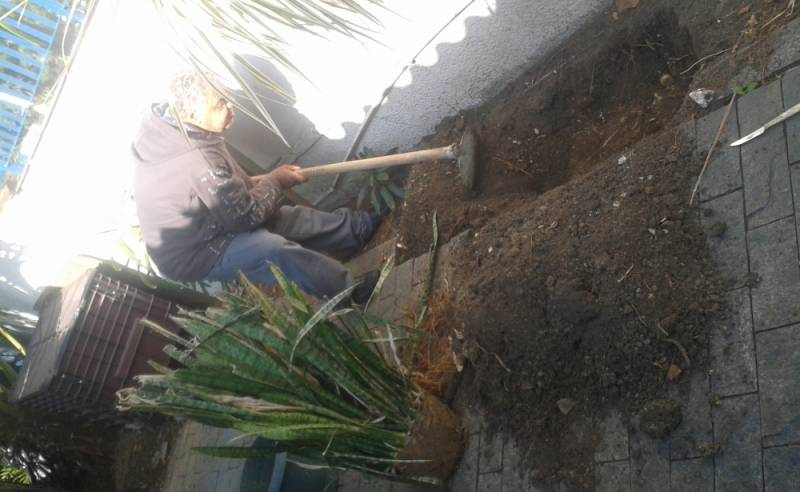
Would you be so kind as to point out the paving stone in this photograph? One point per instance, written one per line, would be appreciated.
(695, 475)
(724, 171)
(612, 477)
(733, 360)
(230, 480)
(403, 275)
(782, 468)
(349, 481)
(791, 96)
(410, 487)
(786, 47)
(207, 482)
(490, 482)
(613, 445)
(421, 268)
(389, 286)
(737, 430)
(729, 250)
(695, 432)
(649, 463)
(515, 476)
(491, 452)
(465, 477)
(778, 370)
(773, 257)
(372, 259)
(795, 172)
(765, 165)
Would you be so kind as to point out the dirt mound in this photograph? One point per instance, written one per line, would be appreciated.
(589, 293)
(552, 124)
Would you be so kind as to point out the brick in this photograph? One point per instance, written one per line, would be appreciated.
(773, 257)
(612, 477)
(729, 250)
(465, 477)
(613, 445)
(781, 467)
(733, 360)
(490, 482)
(695, 475)
(724, 172)
(765, 165)
(791, 96)
(737, 430)
(695, 432)
(649, 464)
(491, 452)
(778, 369)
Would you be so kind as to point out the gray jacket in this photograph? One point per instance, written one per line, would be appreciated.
(192, 197)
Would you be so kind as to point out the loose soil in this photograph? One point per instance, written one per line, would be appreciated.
(578, 272)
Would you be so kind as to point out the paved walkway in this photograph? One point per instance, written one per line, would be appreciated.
(741, 427)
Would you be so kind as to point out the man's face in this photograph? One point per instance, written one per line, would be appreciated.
(213, 114)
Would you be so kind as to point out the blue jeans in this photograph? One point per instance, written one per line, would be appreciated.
(292, 242)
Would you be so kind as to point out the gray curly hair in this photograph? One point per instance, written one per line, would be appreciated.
(188, 90)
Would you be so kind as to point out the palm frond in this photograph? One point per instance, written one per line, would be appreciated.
(214, 38)
(280, 369)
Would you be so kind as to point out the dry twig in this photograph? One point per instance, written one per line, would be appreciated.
(701, 60)
(499, 360)
(713, 147)
(623, 277)
(512, 166)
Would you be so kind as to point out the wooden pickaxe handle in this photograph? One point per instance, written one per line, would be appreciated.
(406, 158)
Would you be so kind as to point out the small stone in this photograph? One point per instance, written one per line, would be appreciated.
(665, 80)
(566, 405)
(702, 97)
(658, 418)
(673, 373)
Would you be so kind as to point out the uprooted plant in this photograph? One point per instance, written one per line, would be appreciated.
(326, 385)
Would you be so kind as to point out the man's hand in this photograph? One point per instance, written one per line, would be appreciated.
(287, 176)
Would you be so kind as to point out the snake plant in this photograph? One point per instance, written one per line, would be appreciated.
(324, 384)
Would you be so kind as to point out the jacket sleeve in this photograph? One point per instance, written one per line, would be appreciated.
(238, 203)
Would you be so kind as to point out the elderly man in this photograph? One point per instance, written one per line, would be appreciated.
(203, 218)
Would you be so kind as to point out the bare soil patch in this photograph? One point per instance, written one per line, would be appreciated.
(581, 274)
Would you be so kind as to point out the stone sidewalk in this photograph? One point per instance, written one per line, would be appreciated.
(741, 429)
(741, 426)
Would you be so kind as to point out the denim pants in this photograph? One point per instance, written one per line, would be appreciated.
(293, 241)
